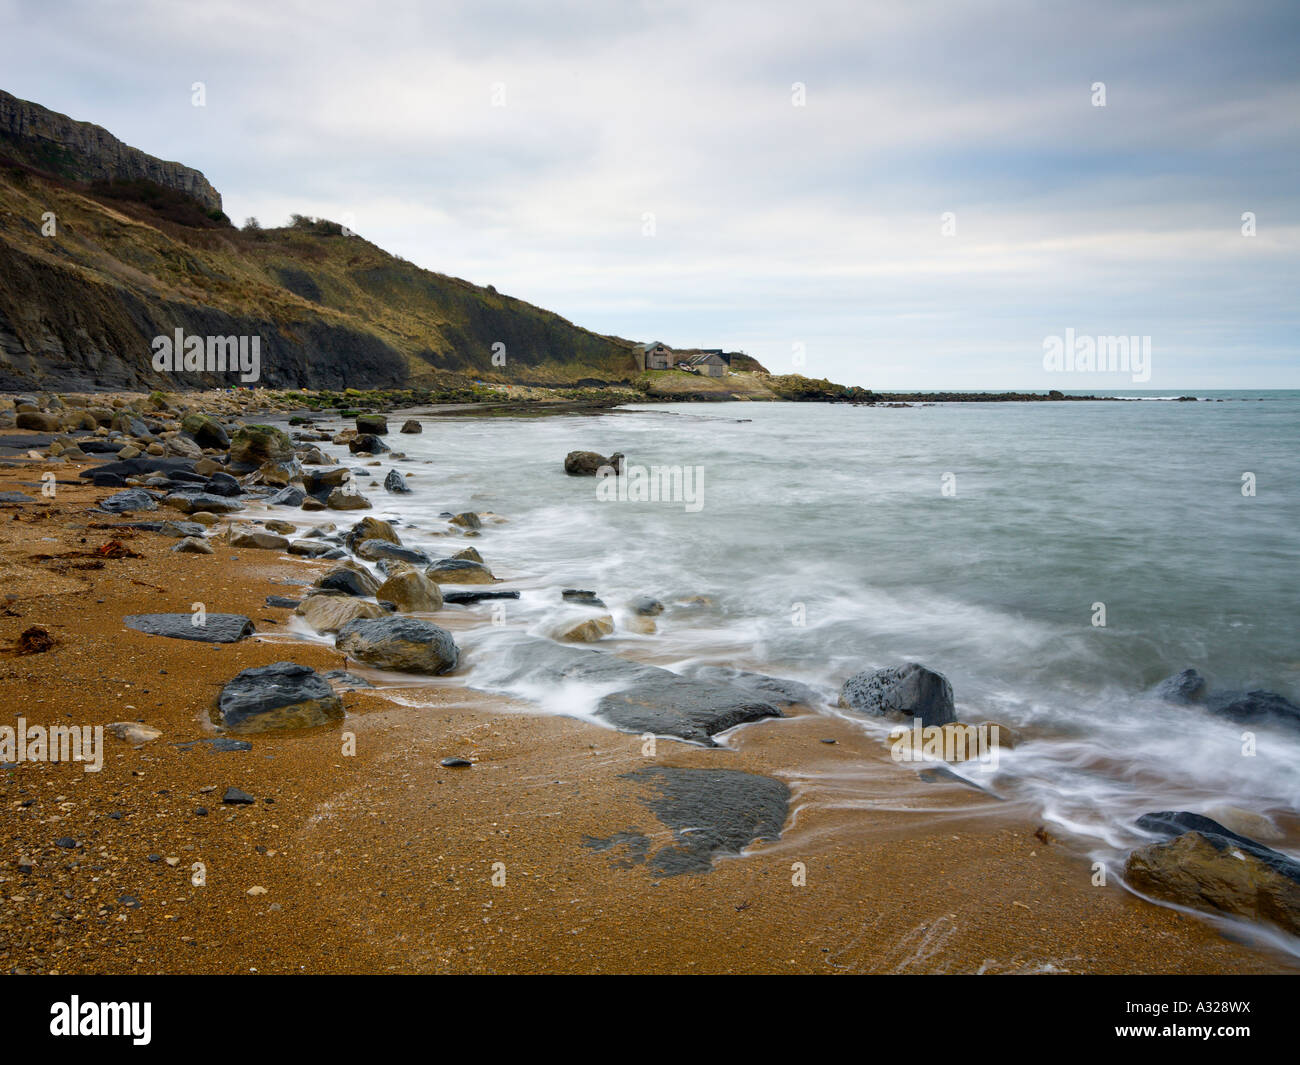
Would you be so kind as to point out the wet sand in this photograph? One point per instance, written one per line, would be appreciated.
(384, 861)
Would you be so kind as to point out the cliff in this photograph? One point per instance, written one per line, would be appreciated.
(80, 151)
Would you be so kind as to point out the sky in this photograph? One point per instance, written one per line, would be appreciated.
(898, 195)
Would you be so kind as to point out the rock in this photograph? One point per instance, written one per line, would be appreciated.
(584, 630)
(312, 548)
(1258, 707)
(320, 483)
(279, 472)
(1185, 687)
(1216, 872)
(370, 529)
(329, 613)
(217, 628)
(254, 445)
(289, 496)
(908, 691)
(404, 644)
(281, 695)
(374, 550)
(193, 502)
(260, 539)
(456, 763)
(222, 484)
(282, 527)
(349, 578)
(1245, 823)
(1254, 708)
(771, 689)
(646, 606)
(282, 601)
(182, 445)
(466, 598)
(642, 626)
(469, 554)
(341, 499)
(131, 499)
(192, 545)
(133, 732)
(589, 463)
(411, 591)
(578, 595)
(459, 571)
(396, 483)
(38, 422)
(366, 444)
(235, 797)
(205, 431)
(670, 705)
(468, 520)
(412, 426)
(374, 424)
(710, 812)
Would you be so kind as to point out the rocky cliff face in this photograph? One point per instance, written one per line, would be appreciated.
(80, 151)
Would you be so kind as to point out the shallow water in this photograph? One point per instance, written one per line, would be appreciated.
(825, 544)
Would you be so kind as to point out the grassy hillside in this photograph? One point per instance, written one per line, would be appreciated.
(130, 261)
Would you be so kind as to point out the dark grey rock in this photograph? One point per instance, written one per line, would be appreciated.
(222, 484)
(396, 483)
(367, 443)
(193, 502)
(646, 605)
(373, 550)
(1185, 687)
(281, 695)
(218, 628)
(235, 797)
(579, 595)
(670, 705)
(455, 763)
(288, 496)
(909, 691)
(130, 500)
(349, 581)
(773, 689)
(474, 597)
(404, 644)
(711, 812)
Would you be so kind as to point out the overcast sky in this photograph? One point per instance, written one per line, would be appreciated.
(786, 231)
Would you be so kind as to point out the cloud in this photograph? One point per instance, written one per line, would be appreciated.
(773, 224)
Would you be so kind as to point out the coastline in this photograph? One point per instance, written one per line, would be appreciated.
(384, 860)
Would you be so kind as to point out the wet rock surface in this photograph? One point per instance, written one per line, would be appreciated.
(907, 691)
(281, 695)
(404, 644)
(217, 628)
(711, 812)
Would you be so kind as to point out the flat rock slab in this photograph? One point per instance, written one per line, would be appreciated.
(711, 813)
(474, 597)
(690, 710)
(218, 628)
(15, 497)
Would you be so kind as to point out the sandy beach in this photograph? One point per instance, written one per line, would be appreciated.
(382, 860)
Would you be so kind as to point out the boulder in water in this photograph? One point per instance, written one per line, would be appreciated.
(907, 691)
